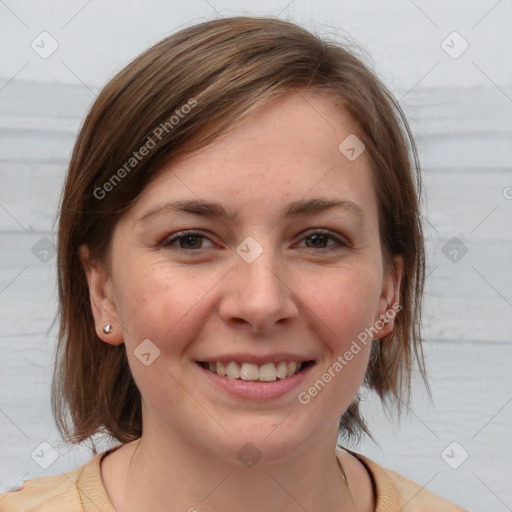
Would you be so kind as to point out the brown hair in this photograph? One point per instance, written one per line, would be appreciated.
(225, 68)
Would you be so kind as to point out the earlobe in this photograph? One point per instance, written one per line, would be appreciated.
(101, 296)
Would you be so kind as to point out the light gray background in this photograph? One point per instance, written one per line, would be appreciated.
(461, 113)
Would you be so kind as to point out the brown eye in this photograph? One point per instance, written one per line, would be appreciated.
(186, 241)
(319, 239)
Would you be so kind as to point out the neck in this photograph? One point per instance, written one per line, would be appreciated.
(176, 476)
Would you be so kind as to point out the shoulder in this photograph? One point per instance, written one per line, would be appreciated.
(39, 494)
(396, 492)
(76, 490)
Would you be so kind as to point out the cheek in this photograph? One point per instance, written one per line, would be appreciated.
(345, 307)
(161, 303)
(344, 301)
(158, 305)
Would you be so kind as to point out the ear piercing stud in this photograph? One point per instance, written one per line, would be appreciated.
(107, 329)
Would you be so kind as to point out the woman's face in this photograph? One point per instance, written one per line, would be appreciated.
(257, 286)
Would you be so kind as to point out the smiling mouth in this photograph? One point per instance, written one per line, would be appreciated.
(268, 372)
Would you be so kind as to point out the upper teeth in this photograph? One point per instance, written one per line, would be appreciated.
(249, 371)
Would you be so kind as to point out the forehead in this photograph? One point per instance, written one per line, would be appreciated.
(286, 150)
(302, 120)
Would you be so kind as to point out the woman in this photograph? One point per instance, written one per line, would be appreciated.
(240, 249)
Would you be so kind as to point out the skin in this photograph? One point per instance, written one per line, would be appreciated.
(205, 300)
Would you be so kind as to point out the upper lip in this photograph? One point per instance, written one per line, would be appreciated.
(256, 359)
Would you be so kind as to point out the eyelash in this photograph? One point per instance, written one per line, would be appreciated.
(167, 243)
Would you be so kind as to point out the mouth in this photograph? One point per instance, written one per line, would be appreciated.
(267, 372)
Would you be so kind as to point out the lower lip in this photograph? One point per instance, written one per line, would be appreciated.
(257, 390)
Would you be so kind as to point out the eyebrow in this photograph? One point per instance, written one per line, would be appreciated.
(213, 209)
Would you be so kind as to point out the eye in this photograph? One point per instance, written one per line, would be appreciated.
(187, 240)
(192, 240)
(318, 239)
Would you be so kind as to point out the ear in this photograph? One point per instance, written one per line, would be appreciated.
(101, 293)
(389, 300)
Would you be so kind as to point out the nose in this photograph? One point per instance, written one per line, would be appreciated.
(259, 295)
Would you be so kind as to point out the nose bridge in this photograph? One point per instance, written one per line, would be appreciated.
(259, 270)
(258, 292)
(262, 275)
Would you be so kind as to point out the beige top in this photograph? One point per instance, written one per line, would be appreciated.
(82, 490)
